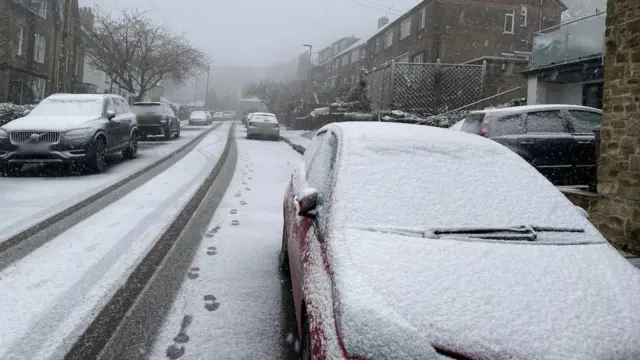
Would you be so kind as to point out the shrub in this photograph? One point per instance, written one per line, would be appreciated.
(9, 112)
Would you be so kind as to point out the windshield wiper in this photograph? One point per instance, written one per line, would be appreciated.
(517, 232)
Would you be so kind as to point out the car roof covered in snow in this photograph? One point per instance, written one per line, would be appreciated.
(78, 97)
(541, 107)
(467, 180)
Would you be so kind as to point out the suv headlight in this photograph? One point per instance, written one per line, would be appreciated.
(78, 134)
(3, 134)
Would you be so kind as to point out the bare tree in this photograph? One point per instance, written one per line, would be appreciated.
(267, 91)
(137, 54)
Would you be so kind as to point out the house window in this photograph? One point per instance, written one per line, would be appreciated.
(418, 58)
(363, 53)
(524, 12)
(404, 58)
(592, 95)
(38, 86)
(345, 60)
(405, 29)
(388, 39)
(377, 49)
(20, 40)
(423, 18)
(354, 55)
(508, 21)
(40, 48)
(42, 10)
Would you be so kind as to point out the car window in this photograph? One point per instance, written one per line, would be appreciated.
(322, 165)
(547, 122)
(109, 106)
(311, 150)
(472, 123)
(168, 110)
(121, 106)
(585, 121)
(507, 125)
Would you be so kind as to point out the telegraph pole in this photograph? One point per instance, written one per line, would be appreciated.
(206, 92)
(64, 52)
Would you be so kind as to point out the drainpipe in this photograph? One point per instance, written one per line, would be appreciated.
(541, 15)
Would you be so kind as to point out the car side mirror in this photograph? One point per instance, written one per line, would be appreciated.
(110, 114)
(307, 203)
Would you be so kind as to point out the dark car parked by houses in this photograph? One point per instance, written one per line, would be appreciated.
(70, 128)
(156, 118)
(558, 140)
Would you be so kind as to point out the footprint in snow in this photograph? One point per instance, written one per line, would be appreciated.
(244, 183)
(233, 211)
(182, 337)
(174, 352)
(238, 194)
(211, 233)
(247, 189)
(235, 222)
(211, 303)
(212, 250)
(250, 178)
(193, 273)
(243, 202)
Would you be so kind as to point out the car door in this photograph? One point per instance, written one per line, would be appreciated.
(173, 119)
(130, 119)
(123, 117)
(113, 132)
(549, 145)
(507, 131)
(583, 123)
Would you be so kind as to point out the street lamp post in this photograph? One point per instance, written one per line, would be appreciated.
(306, 91)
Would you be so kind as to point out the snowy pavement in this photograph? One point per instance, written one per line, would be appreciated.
(51, 295)
(234, 304)
(29, 199)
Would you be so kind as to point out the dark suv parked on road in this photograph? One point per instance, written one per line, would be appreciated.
(156, 118)
(70, 128)
(558, 140)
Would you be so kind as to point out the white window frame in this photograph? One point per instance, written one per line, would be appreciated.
(38, 87)
(524, 12)
(509, 14)
(388, 39)
(20, 40)
(42, 10)
(419, 56)
(377, 46)
(40, 48)
(355, 55)
(422, 22)
(404, 58)
(344, 60)
(405, 29)
(363, 53)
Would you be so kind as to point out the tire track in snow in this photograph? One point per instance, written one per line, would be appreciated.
(73, 297)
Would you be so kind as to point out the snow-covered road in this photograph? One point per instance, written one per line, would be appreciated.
(234, 302)
(51, 295)
(28, 199)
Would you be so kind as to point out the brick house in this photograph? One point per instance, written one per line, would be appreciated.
(30, 33)
(457, 31)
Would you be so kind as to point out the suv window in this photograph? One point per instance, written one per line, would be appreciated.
(472, 123)
(547, 122)
(507, 125)
(121, 106)
(322, 166)
(109, 105)
(585, 121)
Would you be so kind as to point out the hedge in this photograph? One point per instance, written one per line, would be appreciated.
(9, 111)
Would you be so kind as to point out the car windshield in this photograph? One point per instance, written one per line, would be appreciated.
(422, 184)
(148, 108)
(70, 107)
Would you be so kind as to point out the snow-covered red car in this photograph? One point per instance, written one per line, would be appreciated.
(414, 242)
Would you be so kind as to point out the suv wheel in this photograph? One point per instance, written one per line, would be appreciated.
(178, 133)
(132, 150)
(97, 162)
(168, 134)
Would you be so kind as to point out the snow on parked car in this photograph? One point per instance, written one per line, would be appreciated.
(414, 242)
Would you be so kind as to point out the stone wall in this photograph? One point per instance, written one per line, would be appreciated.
(617, 212)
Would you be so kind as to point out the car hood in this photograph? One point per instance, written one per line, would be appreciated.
(48, 123)
(486, 300)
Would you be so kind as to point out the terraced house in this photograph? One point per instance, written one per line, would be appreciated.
(30, 45)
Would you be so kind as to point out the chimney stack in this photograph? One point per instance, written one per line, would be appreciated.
(382, 22)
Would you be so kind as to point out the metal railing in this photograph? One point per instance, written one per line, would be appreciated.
(578, 39)
(425, 88)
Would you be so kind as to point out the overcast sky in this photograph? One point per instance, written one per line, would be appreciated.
(260, 32)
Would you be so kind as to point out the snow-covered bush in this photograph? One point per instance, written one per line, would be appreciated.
(9, 111)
